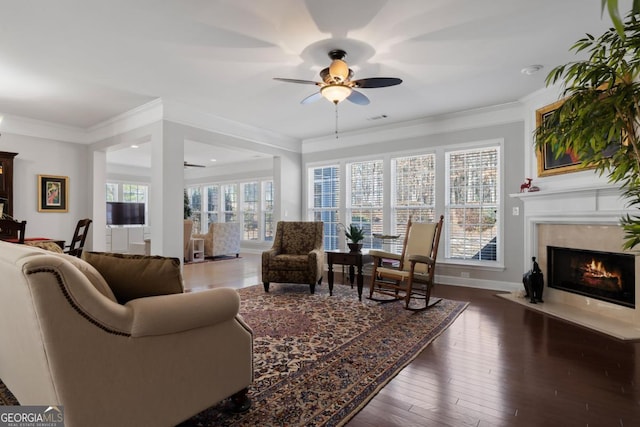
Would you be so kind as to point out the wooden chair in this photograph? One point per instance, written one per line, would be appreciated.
(79, 236)
(408, 275)
(12, 230)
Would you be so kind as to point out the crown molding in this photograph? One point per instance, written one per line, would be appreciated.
(19, 125)
(135, 118)
(464, 120)
(189, 116)
(143, 115)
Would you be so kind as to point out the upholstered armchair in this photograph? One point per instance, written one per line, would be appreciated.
(297, 255)
(73, 335)
(223, 238)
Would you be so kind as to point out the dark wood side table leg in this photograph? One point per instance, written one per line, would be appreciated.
(360, 281)
(330, 278)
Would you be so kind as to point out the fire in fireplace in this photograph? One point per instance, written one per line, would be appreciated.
(606, 276)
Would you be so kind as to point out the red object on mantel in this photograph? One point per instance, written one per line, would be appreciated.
(525, 187)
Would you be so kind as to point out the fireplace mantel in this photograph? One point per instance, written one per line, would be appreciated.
(590, 205)
(596, 209)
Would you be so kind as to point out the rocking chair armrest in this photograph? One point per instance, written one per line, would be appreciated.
(385, 255)
(421, 259)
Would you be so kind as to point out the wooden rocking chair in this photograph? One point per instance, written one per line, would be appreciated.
(408, 275)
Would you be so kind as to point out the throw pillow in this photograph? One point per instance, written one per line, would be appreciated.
(92, 274)
(50, 246)
(137, 276)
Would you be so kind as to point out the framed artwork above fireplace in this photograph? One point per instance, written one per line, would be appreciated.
(548, 164)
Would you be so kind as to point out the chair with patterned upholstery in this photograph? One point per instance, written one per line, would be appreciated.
(297, 255)
(223, 238)
(408, 275)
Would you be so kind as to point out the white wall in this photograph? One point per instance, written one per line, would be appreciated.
(498, 126)
(39, 156)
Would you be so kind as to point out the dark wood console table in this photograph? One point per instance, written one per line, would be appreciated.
(353, 260)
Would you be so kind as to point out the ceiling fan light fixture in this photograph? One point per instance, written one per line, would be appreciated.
(335, 92)
(339, 70)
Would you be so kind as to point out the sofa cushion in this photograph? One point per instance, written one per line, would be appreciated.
(92, 274)
(136, 276)
(290, 262)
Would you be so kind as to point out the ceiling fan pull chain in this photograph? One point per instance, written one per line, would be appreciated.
(336, 104)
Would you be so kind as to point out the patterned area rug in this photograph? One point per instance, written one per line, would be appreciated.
(319, 359)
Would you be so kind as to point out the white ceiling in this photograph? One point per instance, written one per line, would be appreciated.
(80, 62)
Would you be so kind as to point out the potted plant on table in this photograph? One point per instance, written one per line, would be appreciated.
(355, 234)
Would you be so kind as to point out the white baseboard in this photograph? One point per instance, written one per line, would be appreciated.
(478, 283)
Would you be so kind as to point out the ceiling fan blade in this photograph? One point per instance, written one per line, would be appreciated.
(358, 98)
(374, 82)
(193, 165)
(305, 82)
(311, 98)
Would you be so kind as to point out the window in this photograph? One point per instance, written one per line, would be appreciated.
(195, 201)
(472, 203)
(325, 202)
(112, 192)
(213, 204)
(250, 205)
(230, 202)
(134, 193)
(366, 193)
(267, 211)
(413, 192)
(463, 184)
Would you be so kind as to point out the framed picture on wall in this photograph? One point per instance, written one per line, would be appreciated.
(548, 164)
(53, 193)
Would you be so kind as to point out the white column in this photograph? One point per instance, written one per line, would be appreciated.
(98, 176)
(166, 195)
(287, 182)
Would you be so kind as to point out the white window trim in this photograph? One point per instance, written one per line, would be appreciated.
(239, 212)
(440, 153)
(498, 264)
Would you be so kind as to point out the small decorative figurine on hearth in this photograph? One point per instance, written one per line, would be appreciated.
(533, 282)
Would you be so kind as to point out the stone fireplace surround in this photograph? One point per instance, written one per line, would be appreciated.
(580, 219)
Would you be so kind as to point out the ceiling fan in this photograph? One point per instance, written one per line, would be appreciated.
(336, 84)
(193, 165)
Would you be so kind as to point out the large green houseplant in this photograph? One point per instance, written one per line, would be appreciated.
(614, 13)
(599, 119)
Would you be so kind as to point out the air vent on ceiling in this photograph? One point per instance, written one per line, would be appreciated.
(380, 117)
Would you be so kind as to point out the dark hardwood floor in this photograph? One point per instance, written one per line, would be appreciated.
(499, 364)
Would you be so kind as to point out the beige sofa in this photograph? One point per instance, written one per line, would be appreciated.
(223, 238)
(152, 361)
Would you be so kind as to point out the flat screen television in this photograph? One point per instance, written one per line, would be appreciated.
(124, 213)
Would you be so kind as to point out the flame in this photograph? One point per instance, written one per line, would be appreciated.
(597, 269)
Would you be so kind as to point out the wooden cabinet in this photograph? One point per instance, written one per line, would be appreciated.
(6, 181)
